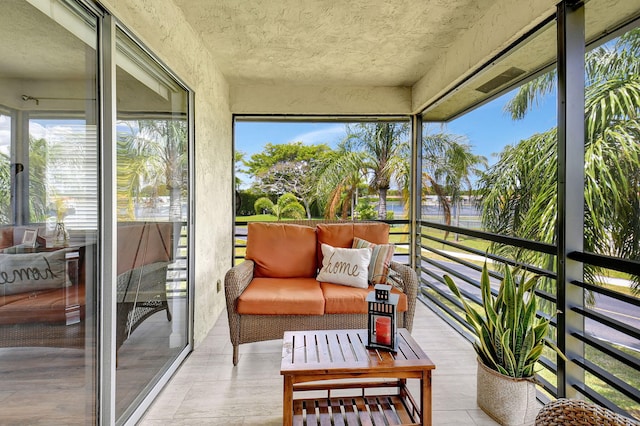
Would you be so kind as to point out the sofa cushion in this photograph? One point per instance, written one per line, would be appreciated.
(342, 234)
(281, 296)
(143, 243)
(282, 250)
(381, 256)
(339, 299)
(346, 266)
(41, 306)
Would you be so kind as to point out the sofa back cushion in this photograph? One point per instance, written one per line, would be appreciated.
(282, 250)
(143, 243)
(342, 234)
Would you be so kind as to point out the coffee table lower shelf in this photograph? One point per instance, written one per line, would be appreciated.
(354, 410)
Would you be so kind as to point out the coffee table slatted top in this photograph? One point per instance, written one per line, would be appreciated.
(345, 351)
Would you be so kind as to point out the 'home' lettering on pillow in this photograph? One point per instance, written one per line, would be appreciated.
(27, 274)
(341, 268)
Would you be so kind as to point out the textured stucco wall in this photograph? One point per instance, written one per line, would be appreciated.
(173, 41)
(274, 99)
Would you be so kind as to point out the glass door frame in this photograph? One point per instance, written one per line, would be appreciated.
(107, 249)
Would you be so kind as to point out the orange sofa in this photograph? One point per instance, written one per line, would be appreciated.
(276, 287)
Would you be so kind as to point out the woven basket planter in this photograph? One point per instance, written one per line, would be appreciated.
(508, 401)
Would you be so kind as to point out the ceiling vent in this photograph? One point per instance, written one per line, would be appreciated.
(500, 80)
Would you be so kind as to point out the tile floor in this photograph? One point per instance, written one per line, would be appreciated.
(208, 390)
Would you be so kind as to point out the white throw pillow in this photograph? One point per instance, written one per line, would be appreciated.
(27, 272)
(345, 266)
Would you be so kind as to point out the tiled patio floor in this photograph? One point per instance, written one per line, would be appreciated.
(208, 390)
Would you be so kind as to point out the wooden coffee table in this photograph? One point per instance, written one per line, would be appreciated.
(320, 356)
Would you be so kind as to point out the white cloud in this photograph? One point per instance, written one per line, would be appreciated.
(329, 135)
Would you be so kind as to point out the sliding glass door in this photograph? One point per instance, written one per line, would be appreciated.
(82, 342)
(48, 212)
(152, 192)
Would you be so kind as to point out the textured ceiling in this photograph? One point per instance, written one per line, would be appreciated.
(59, 53)
(323, 56)
(330, 42)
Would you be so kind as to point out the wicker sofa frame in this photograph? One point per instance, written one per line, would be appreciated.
(571, 412)
(257, 328)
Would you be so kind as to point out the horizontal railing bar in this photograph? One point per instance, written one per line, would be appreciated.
(609, 379)
(608, 292)
(548, 364)
(458, 260)
(609, 262)
(598, 398)
(540, 293)
(503, 239)
(459, 325)
(476, 284)
(432, 275)
(451, 271)
(546, 295)
(453, 244)
(461, 276)
(450, 297)
(602, 319)
(607, 349)
(546, 385)
(528, 267)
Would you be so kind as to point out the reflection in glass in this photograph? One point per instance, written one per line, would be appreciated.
(48, 174)
(152, 194)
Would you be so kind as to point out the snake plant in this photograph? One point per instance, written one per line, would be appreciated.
(509, 336)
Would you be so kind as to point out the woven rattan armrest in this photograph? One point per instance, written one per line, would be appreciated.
(235, 281)
(406, 278)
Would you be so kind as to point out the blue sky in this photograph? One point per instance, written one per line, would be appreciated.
(487, 128)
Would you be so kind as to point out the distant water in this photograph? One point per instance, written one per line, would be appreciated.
(469, 214)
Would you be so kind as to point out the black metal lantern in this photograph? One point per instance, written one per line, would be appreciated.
(383, 306)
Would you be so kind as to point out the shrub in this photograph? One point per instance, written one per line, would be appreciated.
(263, 205)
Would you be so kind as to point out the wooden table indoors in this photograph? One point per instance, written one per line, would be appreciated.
(319, 361)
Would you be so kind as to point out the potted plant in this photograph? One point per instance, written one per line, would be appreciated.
(509, 342)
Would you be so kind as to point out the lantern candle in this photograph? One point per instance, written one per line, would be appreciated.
(383, 330)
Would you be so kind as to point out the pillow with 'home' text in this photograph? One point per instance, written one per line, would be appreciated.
(26, 272)
(346, 266)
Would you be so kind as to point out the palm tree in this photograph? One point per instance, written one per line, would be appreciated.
(39, 190)
(5, 189)
(381, 145)
(154, 154)
(519, 200)
(448, 165)
(339, 181)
